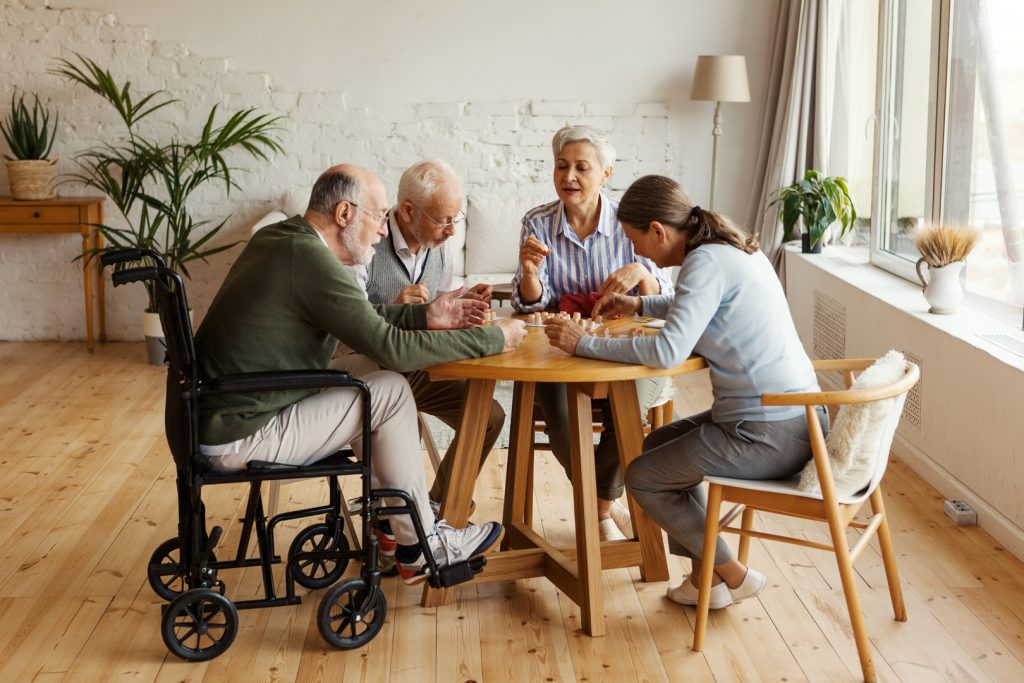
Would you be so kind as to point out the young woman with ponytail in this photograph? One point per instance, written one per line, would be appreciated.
(728, 306)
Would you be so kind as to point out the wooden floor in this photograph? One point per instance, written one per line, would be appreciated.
(86, 493)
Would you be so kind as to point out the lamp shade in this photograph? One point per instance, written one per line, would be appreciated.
(720, 78)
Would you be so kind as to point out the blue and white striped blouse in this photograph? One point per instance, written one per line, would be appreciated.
(575, 266)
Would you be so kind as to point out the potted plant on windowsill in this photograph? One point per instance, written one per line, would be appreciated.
(30, 135)
(152, 182)
(818, 202)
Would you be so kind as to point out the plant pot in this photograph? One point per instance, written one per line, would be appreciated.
(31, 178)
(156, 347)
(805, 244)
(942, 289)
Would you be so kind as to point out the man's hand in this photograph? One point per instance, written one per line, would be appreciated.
(616, 306)
(413, 294)
(450, 312)
(480, 292)
(531, 254)
(565, 334)
(624, 279)
(514, 331)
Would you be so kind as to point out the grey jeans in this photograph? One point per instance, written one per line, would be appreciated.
(554, 405)
(666, 479)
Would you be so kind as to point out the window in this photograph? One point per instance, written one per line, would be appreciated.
(949, 135)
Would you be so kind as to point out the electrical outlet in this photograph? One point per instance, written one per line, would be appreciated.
(960, 512)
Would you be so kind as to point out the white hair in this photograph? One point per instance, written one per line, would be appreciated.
(421, 181)
(596, 137)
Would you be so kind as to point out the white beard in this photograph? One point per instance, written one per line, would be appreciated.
(360, 254)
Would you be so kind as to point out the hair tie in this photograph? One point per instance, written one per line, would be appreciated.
(695, 212)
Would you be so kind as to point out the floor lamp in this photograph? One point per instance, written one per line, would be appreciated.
(719, 78)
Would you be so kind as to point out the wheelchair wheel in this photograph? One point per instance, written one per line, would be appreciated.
(199, 625)
(166, 576)
(314, 574)
(348, 618)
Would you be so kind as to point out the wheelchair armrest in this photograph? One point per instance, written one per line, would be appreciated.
(279, 381)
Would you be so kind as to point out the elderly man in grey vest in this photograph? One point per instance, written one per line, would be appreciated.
(413, 264)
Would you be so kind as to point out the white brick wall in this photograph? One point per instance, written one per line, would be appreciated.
(500, 147)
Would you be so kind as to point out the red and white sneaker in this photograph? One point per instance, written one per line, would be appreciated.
(449, 546)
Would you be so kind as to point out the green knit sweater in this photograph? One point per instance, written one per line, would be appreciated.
(284, 305)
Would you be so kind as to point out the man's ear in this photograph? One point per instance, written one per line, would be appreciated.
(405, 209)
(344, 213)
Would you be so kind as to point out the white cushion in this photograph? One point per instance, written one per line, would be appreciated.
(457, 243)
(295, 201)
(859, 441)
(269, 219)
(493, 228)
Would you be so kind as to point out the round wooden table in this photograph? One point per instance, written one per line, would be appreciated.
(575, 570)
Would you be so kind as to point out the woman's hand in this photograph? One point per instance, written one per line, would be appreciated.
(450, 312)
(616, 306)
(531, 254)
(624, 279)
(563, 333)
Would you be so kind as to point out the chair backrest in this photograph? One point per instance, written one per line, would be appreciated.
(862, 434)
(182, 408)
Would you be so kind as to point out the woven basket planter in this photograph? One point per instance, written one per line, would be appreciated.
(31, 178)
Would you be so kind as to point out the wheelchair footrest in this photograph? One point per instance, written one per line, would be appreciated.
(460, 572)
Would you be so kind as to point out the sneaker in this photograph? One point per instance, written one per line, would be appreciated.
(609, 530)
(753, 583)
(623, 520)
(449, 546)
(686, 594)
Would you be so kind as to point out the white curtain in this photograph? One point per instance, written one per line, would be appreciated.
(796, 133)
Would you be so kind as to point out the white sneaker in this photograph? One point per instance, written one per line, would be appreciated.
(753, 583)
(609, 530)
(686, 594)
(623, 520)
(449, 545)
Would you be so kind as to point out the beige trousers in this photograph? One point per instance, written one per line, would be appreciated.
(317, 426)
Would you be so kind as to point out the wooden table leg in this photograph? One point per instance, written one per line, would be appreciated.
(469, 439)
(630, 437)
(101, 301)
(517, 477)
(88, 272)
(584, 494)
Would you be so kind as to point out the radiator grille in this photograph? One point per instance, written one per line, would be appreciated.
(1005, 341)
(829, 327)
(912, 406)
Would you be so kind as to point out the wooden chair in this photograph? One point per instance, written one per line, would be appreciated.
(784, 498)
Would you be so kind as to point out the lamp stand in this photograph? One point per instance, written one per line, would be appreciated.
(716, 132)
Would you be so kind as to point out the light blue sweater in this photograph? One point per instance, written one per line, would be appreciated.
(729, 308)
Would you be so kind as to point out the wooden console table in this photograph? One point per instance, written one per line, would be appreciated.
(65, 215)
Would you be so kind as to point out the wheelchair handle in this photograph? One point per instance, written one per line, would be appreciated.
(122, 255)
(123, 277)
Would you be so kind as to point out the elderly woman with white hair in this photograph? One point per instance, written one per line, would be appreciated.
(572, 251)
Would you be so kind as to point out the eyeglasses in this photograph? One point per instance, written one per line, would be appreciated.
(382, 219)
(443, 225)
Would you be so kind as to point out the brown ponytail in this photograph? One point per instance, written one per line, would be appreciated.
(657, 198)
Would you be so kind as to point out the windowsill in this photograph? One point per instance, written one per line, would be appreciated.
(976, 316)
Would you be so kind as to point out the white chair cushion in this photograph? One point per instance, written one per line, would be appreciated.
(295, 201)
(790, 486)
(269, 219)
(861, 432)
(493, 227)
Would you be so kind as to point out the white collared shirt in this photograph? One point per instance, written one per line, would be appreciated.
(414, 262)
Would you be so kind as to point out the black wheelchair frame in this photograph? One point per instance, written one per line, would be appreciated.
(200, 622)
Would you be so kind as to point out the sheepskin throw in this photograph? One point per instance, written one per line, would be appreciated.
(862, 433)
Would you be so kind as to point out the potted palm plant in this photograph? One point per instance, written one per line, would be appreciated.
(152, 182)
(818, 202)
(29, 133)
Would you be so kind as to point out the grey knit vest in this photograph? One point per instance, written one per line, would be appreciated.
(386, 275)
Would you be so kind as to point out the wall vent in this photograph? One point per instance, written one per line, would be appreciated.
(829, 327)
(912, 406)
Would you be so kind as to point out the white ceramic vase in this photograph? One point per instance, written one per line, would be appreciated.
(156, 347)
(942, 289)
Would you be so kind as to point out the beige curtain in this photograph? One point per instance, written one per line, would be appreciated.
(795, 132)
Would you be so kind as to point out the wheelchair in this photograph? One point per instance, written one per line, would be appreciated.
(200, 622)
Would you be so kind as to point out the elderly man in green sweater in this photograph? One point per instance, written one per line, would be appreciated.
(284, 305)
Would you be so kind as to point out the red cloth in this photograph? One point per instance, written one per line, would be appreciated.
(578, 303)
